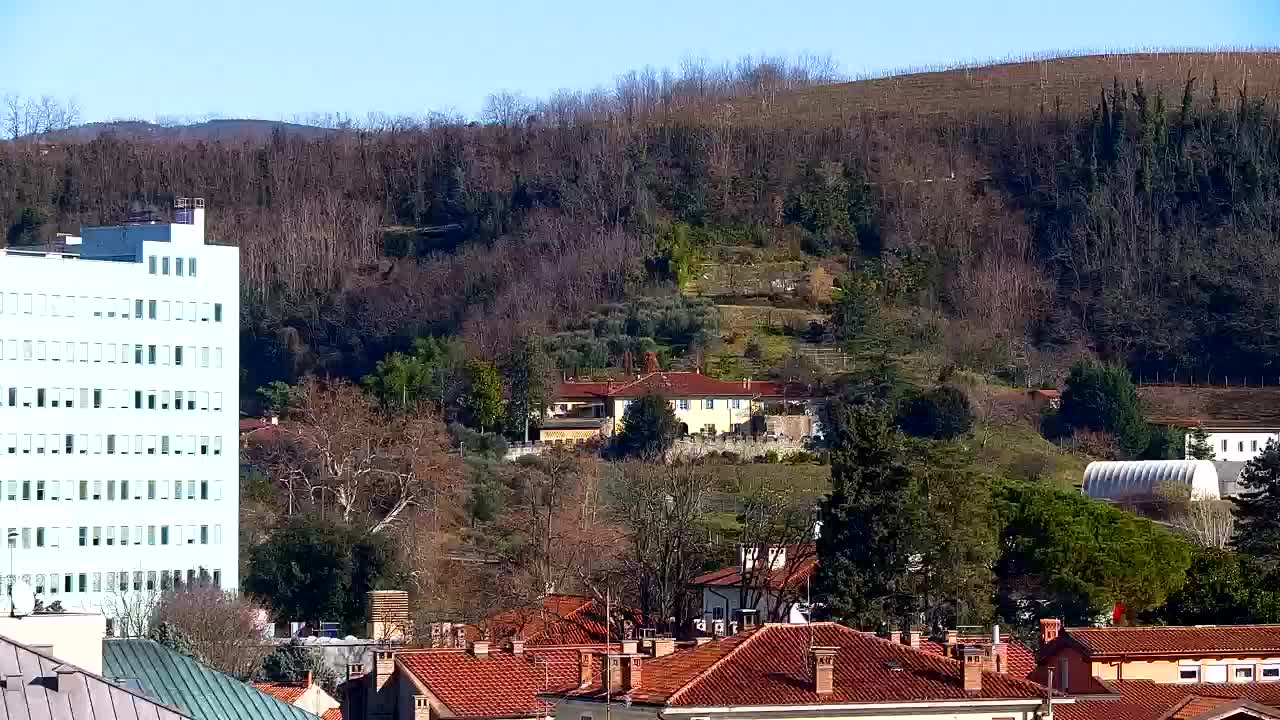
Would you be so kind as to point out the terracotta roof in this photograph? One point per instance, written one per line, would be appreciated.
(1214, 407)
(501, 685)
(1176, 640)
(1147, 700)
(286, 692)
(792, 573)
(332, 714)
(559, 620)
(680, 384)
(769, 665)
(1022, 660)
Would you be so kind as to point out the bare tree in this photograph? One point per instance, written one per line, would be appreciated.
(776, 550)
(335, 446)
(130, 606)
(223, 629)
(1207, 522)
(661, 505)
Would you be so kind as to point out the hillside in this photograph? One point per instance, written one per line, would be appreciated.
(1141, 231)
(220, 130)
(1071, 83)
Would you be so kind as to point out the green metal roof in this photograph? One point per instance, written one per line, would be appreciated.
(200, 691)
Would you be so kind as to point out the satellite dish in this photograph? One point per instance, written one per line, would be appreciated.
(22, 599)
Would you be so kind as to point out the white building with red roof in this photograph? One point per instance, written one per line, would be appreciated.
(702, 404)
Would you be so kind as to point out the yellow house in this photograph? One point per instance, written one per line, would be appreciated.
(1079, 657)
(702, 404)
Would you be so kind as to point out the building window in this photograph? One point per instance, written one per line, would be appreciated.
(1224, 446)
(709, 404)
(191, 267)
(151, 309)
(151, 264)
(217, 312)
(164, 265)
(1271, 672)
(1253, 446)
(177, 266)
(736, 404)
(1242, 673)
(682, 404)
(1240, 446)
(1188, 674)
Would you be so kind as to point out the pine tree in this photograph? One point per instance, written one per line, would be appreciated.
(1198, 446)
(869, 521)
(649, 428)
(1257, 529)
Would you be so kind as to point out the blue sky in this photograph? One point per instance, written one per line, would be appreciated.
(279, 58)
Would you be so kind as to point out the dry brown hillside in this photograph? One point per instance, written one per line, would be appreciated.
(1024, 86)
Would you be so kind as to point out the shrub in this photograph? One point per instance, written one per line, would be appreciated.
(942, 413)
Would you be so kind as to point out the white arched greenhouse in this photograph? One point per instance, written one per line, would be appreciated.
(1142, 479)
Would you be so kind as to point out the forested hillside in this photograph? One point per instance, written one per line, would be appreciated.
(1140, 223)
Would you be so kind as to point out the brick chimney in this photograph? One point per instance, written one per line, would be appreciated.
(586, 662)
(307, 682)
(1049, 629)
(631, 672)
(663, 647)
(895, 637)
(822, 663)
(950, 642)
(517, 646)
(913, 638)
(421, 707)
(651, 362)
(480, 648)
(973, 666)
(613, 665)
(630, 647)
(999, 652)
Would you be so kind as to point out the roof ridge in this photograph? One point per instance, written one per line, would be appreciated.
(102, 678)
(935, 656)
(761, 630)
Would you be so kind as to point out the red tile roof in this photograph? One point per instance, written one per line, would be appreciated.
(1214, 407)
(680, 384)
(285, 692)
(559, 620)
(1175, 640)
(332, 714)
(1022, 660)
(795, 571)
(1147, 700)
(501, 685)
(769, 665)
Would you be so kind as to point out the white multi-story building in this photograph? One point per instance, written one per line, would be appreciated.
(118, 393)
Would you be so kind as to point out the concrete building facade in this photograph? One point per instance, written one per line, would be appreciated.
(118, 395)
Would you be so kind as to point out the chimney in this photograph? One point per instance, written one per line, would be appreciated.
(973, 666)
(651, 362)
(913, 638)
(355, 670)
(822, 662)
(14, 682)
(630, 647)
(421, 707)
(586, 660)
(950, 641)
(613, 663)
(895, 637)
(480, 648)
(1049, 629)
(517, 646)
(64, 679)
(307, 680)
(747, 618)
(663, 647)
(631, 672)
(999, 652)
(628, 363)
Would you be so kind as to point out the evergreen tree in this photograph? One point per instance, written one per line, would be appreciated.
(1257, 529)
(942, 413)
(292, 663)
(526, 370)
(1198, 446)
(649, 428)
(482, 405)
(869, 521)
(1102, 397)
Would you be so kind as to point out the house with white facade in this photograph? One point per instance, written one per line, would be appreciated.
(703, 405)
(1239, 421)
(118, 420)
(770, 583)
